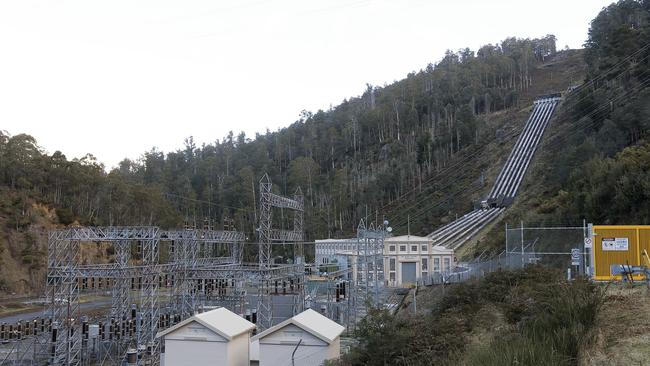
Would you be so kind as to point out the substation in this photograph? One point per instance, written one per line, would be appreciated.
(159, 278)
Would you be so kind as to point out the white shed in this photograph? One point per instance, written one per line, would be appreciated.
(312, 336)
(216, 337)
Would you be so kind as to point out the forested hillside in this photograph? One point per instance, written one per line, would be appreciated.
(594, 162)
(358, 156)
(393, 151)
(351, 161)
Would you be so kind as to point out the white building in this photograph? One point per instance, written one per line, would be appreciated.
(216, 337)
(409, 258)
(312, 336)
(326, 249)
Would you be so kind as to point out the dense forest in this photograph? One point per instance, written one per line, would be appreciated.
(603, 171)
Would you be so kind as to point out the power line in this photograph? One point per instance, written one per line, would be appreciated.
(575, 92)
(563, 138)
(574, 101)
(207, 202)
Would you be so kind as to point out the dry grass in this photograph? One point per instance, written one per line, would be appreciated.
(622, 333)
(14, 308)
(488, 323)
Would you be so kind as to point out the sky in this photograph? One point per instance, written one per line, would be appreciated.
(117, 78)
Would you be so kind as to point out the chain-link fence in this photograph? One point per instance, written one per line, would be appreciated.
(557, 247)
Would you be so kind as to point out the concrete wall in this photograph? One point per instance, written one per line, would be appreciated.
(195, 353)
(239, 350)
(195, 345)
(276, 348)
(334, 349)
(194, 331)
(277, 355)
(292, 333)
(417, 258)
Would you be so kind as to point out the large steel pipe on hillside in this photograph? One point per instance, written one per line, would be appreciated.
(524, 168)
(453, 225)
(515, 150)
(524, 142)
(459, 227)
(478, 227)
(461, 233)
(528, 143)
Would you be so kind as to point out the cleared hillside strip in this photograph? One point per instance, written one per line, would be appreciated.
(506, 186)
(513, 171)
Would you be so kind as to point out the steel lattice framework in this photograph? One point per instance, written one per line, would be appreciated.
(201, 268)
(370, 261)
(267, 236)
(136, 266)
(194, 250)
(65, 272)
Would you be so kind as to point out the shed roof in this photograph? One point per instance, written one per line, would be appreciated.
(221, 321)
(312, 322)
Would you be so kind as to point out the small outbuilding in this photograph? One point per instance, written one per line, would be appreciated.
(216, 337)
(308, 338)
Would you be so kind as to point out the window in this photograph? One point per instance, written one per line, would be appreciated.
(402, 248)
(391, 248)
(436, 264)
(447, 266)
(392, 276)
(425, 264)
(392, 264)
(424, 247)
(414, 248)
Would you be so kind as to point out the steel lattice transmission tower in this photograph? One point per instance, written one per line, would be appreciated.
(267, 236)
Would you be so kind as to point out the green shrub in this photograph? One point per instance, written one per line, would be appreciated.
(550, 319)
(65, 216)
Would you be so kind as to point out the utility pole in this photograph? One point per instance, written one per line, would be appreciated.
(507, 255)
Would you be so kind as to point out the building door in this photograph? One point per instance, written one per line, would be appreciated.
(408, 272)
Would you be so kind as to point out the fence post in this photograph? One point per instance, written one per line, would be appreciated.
(522, 244)
(585, 265)
(506, 241)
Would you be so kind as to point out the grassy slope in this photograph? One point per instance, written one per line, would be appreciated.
(522, 317)
(622, 333)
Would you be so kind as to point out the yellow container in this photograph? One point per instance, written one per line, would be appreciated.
(618, 244)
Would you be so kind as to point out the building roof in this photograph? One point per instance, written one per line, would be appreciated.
(440, 248)
(335, 240)
(309, 321)
(408, 238)
(221, 321)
